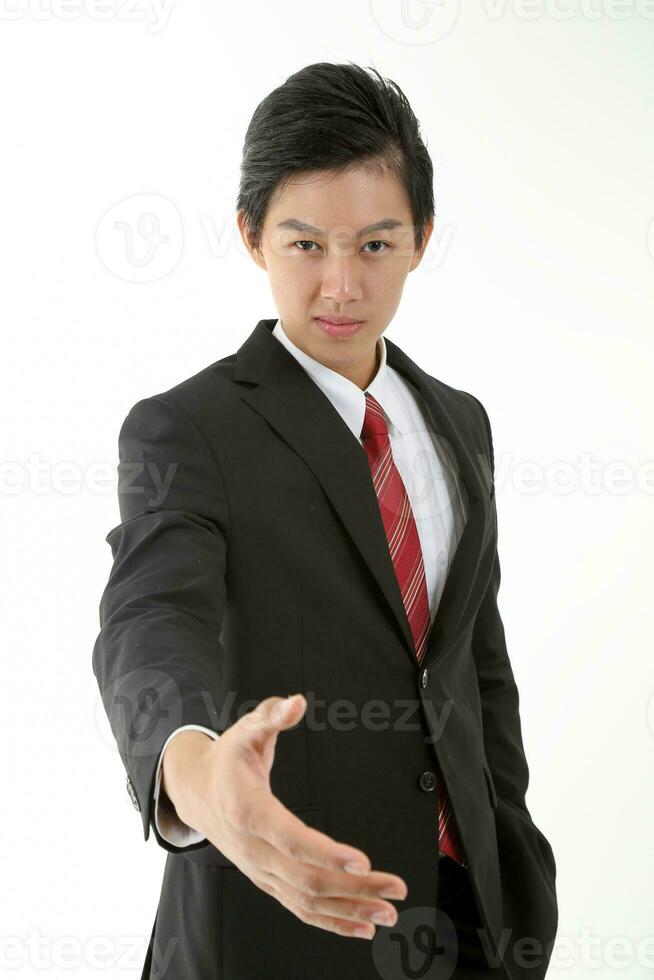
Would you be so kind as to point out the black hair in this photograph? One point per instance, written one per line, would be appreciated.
(332, 117)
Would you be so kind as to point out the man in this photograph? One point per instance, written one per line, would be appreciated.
(315, 514)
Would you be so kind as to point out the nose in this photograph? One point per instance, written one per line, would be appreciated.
(341, 281)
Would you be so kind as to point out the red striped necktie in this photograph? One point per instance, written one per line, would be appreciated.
(406, 553)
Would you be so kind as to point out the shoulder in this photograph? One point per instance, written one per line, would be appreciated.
(209, 394)
(205, 390)
(468, 408)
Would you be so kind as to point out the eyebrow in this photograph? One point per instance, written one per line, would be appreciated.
(295, 225)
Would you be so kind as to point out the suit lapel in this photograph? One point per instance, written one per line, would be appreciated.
(305, 419)
(446, 416)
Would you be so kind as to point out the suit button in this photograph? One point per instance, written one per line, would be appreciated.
(428, 781)
(424, 677)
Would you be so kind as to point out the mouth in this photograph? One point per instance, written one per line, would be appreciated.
(338, 326)
(339, 321)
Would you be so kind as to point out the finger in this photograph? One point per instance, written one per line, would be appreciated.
(283, 853)
(271, 716)
(320, 882)
(331, 923)
(263, 816)
(351, 908)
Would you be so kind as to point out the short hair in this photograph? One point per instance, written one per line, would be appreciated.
(333, 117)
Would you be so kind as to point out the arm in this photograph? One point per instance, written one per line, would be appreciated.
(158, 656)
(499, 694)
(158, 661)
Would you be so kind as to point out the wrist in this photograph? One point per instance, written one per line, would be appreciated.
(181, 771)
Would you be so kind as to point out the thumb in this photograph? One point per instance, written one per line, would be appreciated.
(274, 714)
(288, 711)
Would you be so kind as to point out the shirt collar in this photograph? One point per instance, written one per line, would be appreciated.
(346, 397)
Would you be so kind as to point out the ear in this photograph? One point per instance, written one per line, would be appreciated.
(418, 254)
(254, 249)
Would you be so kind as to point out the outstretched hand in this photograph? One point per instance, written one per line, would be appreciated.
(222, 789)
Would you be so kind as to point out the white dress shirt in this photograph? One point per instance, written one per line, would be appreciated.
(429, 472)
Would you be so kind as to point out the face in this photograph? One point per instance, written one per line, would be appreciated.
(339, 245)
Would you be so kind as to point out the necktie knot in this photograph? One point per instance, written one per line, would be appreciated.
(374, 423)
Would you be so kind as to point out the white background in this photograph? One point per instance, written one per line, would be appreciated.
(536, 295)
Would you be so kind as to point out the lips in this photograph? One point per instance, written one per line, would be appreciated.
(338, 321)
(346, 327)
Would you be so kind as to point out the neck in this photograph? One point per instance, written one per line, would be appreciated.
(362, 374)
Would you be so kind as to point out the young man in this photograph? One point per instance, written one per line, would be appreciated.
(316, 514)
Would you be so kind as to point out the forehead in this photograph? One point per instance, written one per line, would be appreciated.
(356, 197)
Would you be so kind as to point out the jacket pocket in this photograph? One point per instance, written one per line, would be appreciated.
(312, 814)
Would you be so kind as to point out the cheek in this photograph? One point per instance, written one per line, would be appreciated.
(388, 285)
(290, 289)
(302, 280)
(282, 270)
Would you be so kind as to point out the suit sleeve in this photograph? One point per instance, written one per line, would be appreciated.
(158, 657)
(500, 699)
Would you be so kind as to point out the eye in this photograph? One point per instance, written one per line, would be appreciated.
(303, 241)
(377, 241)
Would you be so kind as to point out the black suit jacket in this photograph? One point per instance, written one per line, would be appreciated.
(251, 560)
